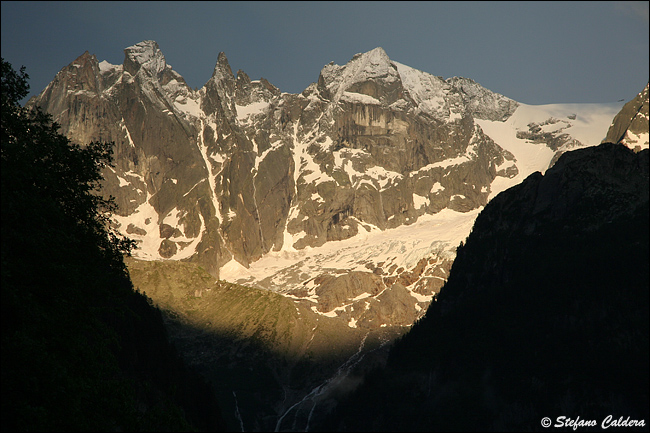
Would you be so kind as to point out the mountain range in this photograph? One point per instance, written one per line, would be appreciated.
(336, 212)
(253, 184)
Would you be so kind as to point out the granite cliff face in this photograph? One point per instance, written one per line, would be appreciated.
(241, 169)
(238, 171)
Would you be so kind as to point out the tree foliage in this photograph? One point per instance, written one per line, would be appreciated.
(81, 350)
(41, 167)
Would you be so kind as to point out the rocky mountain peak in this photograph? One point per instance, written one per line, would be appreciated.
(376, 56)
(242, 77)
(84, 59)
(81, 74)
(483, 103)
(222, 69)
(365, 73)
(220, 89)
(145, 54)
(78, 80)
(630, 126)
(391, 84)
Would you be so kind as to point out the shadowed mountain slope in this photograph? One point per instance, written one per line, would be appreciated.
(545, 312)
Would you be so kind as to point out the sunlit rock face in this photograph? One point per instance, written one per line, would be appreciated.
(630, 126)
(237, 171)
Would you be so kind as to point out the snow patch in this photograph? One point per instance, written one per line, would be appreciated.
(436, 188)
(588, 124)
(189, 106)
(148, 243)
(245, 111)
(123, 182)
(359, 98)
(420, 201)
(403, 246)
(105, 67)
(233, 267)
(633, 140)
(126, 131)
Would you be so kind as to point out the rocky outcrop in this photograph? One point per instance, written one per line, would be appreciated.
(630, 126)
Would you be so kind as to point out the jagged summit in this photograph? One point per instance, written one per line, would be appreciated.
(84, 68)
(86, 56)
(371, 67)
(375, 62)
(145, 54)
(630, 126)
(373, 78)
(378, 54)
(222, 68)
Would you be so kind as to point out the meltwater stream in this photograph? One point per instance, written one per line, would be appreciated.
(313, 396)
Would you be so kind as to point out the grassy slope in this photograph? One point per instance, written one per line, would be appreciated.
(260, 345)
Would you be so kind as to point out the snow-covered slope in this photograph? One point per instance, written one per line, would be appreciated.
(434, 237)
(584, 124)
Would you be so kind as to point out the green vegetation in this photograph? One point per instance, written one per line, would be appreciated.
(186, 290)
(81, 350)
(188, 294)
(265, 348)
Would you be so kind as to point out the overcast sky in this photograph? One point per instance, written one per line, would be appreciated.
(532, 52)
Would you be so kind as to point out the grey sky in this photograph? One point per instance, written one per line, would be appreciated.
(532, 52)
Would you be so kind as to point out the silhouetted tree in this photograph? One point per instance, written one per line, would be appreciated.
(81, 350)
